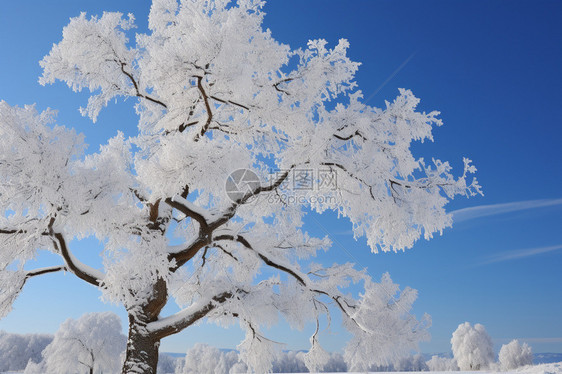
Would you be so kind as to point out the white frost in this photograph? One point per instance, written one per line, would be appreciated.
(217, 93)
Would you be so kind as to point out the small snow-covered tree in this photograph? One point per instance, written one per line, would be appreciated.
(514, 355)
(203, 358)
(91, 344)
(472, 347)
(437, 363)
(35, 367)
(414, 362)
(221, 103)
(167, 364)
(16, 350)
(206, 359)
(290, 362)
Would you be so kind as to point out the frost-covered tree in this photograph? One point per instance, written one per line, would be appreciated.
(16, 350)
(166, 364)
(91, 344)
(437, 363)
(203, 358)
(514, 355)
(290, 362)
(35, 368)
(411, 363)
(206, 359)
(472, 347)
(220, 102)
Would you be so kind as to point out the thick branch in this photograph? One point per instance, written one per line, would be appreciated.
(18, 231)
(337, 298)
(41, 271)
(184, 318)
(78, 268)
(46, 270)
(240, 239)
(9, 232)
(231, 211)
(190, 210)
(74, 265)
(205, 233)
(189, 252)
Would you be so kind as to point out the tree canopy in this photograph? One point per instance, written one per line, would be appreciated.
(239, 137)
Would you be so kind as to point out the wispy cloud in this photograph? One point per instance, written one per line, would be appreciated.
(391, 76)
(541, 340)
(529, 340)
(479, 211)
(520, 253)
(466, 214)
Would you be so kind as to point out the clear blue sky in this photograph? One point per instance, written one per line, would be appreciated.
(493, 68)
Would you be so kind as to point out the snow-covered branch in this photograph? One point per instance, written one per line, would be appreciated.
(172, 324)
(217, 94)
(136, 85)
(45, 270)
(74, 265)
(13, 282)
(205, 97)
(240, 239)
(208, 223)
(301, 278)
(202, 216)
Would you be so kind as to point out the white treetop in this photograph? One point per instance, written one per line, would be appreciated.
(514, 355)
(472, 347)
(91, 344)
(216, 93)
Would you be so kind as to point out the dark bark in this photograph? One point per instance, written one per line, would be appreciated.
(142, 347)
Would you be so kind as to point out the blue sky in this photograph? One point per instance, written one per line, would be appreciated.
(491, 67)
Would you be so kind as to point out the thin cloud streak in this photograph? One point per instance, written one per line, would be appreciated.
(529, 340)
(466, 214)
(521, 253)
(541, 340)
(391, 76)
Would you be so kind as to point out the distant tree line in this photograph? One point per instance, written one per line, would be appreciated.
(95, 344)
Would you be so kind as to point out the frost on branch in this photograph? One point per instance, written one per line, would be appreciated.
(35, 166)
(12, 282)
(216, 93)
(93, 55)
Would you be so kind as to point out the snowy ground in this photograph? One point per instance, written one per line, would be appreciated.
(553, 368)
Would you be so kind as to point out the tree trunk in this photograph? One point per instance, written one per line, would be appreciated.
(142, 347)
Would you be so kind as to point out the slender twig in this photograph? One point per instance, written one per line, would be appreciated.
(229, 102)
(138, 93)
(207, 108)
